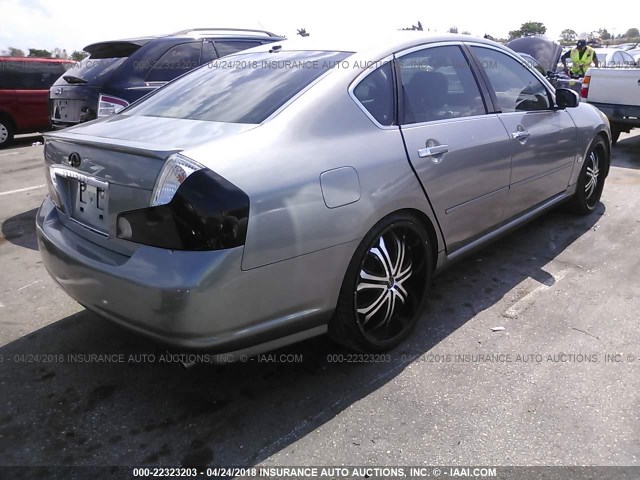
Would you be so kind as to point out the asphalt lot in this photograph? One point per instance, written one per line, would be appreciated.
(565, 289)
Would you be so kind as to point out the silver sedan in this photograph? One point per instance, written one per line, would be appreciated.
(307, 187)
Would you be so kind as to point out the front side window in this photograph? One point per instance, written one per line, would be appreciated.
(516, 88)
(375, 93)
(437, 83)
(247, 90)
(178, 60)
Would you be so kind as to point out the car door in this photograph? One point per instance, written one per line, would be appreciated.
(543, 139)
(460, 153)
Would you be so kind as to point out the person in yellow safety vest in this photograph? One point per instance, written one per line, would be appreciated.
(581, 57)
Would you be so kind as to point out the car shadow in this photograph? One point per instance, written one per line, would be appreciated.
(127, 405)
(21, 230)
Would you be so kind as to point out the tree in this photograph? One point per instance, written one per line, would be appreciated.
(453, 30)
(604, 35)
(57, 53)
(632, 33)
(36, 52)
(13, 52)
(417, 27)
(568, 35)
(513, 34)
(466, 32)
(302, 32)
(533, 28)
(79, 56)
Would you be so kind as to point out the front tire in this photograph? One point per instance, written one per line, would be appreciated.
(591, 179)
(385, 286)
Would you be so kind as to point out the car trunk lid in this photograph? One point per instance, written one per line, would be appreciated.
(103, 168)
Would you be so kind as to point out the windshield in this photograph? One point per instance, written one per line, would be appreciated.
(244, 88)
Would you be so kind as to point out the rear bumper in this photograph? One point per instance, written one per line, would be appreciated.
(626, 115)
(192, 300)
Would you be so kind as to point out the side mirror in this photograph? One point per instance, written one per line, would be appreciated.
(566, 98)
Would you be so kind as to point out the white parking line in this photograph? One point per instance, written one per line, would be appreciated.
(35, 187)
(525, 302)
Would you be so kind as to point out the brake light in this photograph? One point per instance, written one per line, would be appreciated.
(108, 105)
(584, 91)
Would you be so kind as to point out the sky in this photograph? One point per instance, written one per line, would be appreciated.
(72, 24)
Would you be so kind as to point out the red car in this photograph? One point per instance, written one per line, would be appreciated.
(24, 94)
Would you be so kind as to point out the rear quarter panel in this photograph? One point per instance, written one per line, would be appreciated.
(279, 165)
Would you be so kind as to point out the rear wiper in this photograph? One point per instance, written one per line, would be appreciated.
(72, 79)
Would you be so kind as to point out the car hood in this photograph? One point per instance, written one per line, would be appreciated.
(545, 51)
(160, 132)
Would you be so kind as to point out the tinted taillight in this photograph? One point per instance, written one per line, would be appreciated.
(206, 213)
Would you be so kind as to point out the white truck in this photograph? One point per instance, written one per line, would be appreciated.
(616, 92)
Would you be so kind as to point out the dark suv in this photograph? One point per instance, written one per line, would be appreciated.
(118, 72)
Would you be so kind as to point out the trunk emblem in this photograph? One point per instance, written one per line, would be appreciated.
(58, 91)
(74, 159)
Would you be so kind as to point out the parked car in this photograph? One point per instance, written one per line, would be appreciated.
(615, 92)
(614, 58)
(24, 92)
(544, 54)
(119, 72)
(310, 187)
(635, 54)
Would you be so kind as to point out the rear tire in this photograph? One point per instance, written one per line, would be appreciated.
(591, 179)
(385, 286)
(6, 132)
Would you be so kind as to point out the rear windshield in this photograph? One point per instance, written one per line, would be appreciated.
(105, 58)
(244, 88)
(91, 71)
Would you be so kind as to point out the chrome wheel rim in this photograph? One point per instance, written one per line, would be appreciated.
(4, 133)
(592, 178)
(390, 284)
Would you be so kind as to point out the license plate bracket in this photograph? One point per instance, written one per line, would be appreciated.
(90, 198)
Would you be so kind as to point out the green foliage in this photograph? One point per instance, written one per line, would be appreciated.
(36, 52)
(79, 56)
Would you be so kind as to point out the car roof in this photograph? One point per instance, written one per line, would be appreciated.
(36, 59)
(191, 34)
(374, 45)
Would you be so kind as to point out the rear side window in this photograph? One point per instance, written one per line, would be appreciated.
(247, 90)
(438, 83)
(375, 93)
(8, 75)
(227, 47)
(178, 60)
(30, 75)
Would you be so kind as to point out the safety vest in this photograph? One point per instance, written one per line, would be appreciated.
(581, 63)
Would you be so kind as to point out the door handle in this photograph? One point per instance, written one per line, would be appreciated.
(433, 151)
(521, 134)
